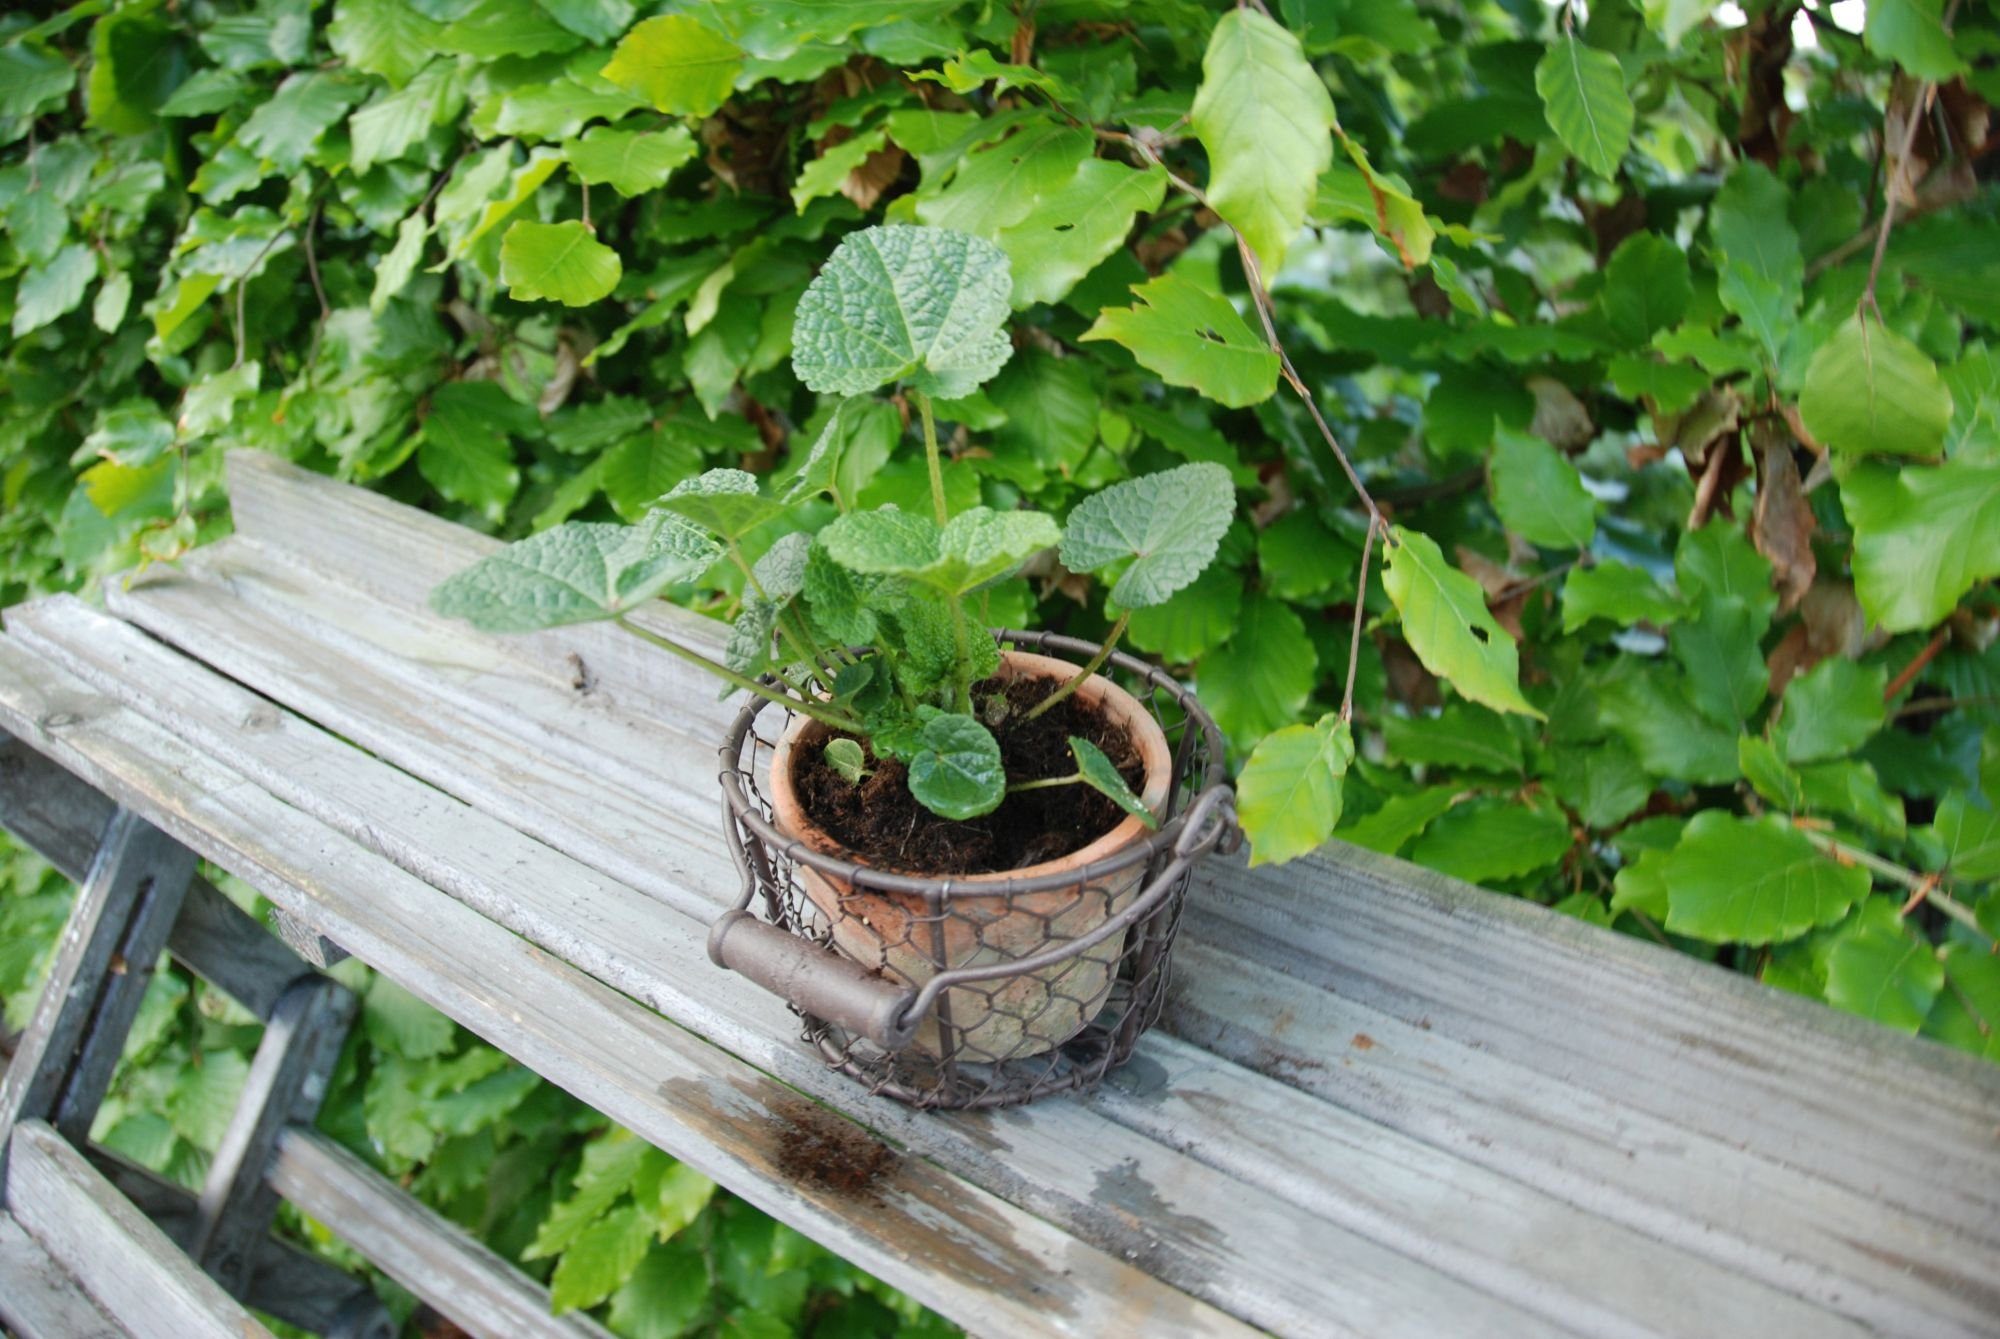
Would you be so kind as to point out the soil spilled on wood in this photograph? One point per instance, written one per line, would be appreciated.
(882, 822)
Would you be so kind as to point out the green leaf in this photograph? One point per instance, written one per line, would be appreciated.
(1652, 711)
(575, 573)
(974, 548)
(1538, 492)
(1869, 391)
(1642, 886)
(997, 185)
(1830, 711)
(1602, 781)
(665, 1295)
(1911, 33)
(1719, 560)
(677, 65)
(1289, 792)
(1076, 227)
(391, 38)
(1878, 968)
(494, 28)
(1461, 735)
(631, 162)
(1354, 192)
(1754, 881)
(1400, 818)
(466, 453)
(288, 127)
(845, 757)
(48, 292)
(33, 80)
(600, 1260)
(202, 1098)
(1166, 526)
(1969, 838)
(1195, 621)
(1100, 775)
(1748, 227)
(1768, 774)
(560, 262)
(1446, 622)
(1619, 593)
(1487, 839)
(611, 1164)
(672, 1193)
(726, 503)
(1646, 287)
(593, 20)
(401, 1024)
(1719, 649)
(1051, 406)
(1189, 336)
(1672, 386)
(1259, 679)
(1265, 119)
(1853, 789)
(926, 305)
(1922, 538)
(399, 266)
(1583, 96)
(957, 772)
(1968, 1015)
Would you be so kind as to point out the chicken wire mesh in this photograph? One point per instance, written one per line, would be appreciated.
(962, 992)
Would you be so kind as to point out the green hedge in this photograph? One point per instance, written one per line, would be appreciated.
(1692, 452)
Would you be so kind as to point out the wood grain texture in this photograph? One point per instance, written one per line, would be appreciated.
(1702, 1163)
(38, 1300)
(426, 1253)
(1601, 1278)
(952, 1246)
(118, 1256)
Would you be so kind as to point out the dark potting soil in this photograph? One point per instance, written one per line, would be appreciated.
(882, 822)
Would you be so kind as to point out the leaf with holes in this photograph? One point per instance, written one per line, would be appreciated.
(1188, 336)
(1446, 622)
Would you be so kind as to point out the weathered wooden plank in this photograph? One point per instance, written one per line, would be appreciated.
(116, 930)
(1793, 1231)
(62, 818)
(121, 1259)
(960, 1250)
(1890, 1117)
(643, 948)
(430, 1255)
(286, 1282)
(40, 1301)
(287, 1079)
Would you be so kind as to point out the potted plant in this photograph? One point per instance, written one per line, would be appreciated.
(914, 744)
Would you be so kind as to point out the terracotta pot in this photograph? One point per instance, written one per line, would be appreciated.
(896, 933)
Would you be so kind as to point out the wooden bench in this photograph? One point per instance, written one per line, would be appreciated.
(1381, 1102)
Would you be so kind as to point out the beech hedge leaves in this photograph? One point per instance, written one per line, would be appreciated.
(1590, 300)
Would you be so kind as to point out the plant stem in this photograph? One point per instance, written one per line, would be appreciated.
(1925, 887)
(1360, 613)
(1047, 783)
(931, 454)
(804, 706)
(1096, 663)
(961, 683)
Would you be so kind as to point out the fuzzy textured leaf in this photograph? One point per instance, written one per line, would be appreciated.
(957, 772)
(1165, 525)
(575, 573)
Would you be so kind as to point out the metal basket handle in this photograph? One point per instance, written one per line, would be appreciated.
(818, 981)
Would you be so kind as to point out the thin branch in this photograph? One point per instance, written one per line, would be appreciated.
(1916, 666)
(1919, 105)
(319, 289)
(1354, 638)
(1922, 887)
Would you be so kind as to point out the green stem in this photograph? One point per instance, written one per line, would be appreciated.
(1924, 885)
(1047, 783)
(1096, 663)
(804, 706)
(931, 453)
(793, 633)
(961, 672)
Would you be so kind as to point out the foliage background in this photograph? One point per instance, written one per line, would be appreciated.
(1599, 301)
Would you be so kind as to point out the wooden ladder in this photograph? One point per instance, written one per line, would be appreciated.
(92, 1244)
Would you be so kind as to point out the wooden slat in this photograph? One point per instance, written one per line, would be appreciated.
(1205, 1224)
(963, 1252)
(38, 1300)
(1682, 1190)
(112, 1249)
(430, 1255)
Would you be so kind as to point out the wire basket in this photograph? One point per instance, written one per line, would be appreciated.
(972, 991)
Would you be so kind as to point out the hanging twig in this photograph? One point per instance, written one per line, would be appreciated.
(1919, 104)
(1922, 887)
(1916, 665)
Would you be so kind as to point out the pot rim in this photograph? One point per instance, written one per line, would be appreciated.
(1126, 711)
(755, 834)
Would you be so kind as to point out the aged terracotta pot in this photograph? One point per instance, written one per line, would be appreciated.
(1011, 1017)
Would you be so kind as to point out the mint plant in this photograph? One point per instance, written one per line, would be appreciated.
(870, 625)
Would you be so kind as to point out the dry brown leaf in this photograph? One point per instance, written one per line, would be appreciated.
(1782, 525)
